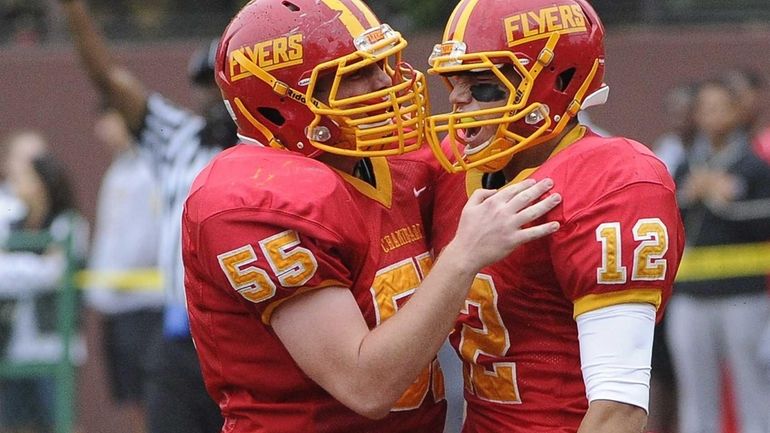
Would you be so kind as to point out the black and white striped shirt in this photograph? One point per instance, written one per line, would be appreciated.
(171, 135)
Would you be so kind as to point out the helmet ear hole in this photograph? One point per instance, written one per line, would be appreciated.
(272, 115)
(291, 6)
(563, 79)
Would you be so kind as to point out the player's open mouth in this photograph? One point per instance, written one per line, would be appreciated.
(469, 134)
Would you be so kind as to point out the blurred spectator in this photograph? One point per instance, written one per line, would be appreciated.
(748, 85)
(19, 147)
(672, 146)
(126, 239)
(23, 22)
(724, 194)
(180, 143)
(28, 281)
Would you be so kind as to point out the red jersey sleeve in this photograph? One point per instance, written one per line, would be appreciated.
(263, 262)
(623, 248)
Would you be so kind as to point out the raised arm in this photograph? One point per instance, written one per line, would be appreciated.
(117, 85)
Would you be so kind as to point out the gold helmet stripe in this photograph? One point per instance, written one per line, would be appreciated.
(347, 17)
(451, 25)
(371, 19)
(462, 23)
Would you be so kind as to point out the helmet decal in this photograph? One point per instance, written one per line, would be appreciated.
(277, 53)
(528, 26)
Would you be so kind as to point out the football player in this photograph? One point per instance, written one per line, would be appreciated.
(303, 245)
(557, 336)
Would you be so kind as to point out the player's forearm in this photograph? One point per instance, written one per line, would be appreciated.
(605, 416)
(90, 45)
(399, 349)
(116, 85)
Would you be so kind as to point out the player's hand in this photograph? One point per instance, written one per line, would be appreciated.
(697, 185)
(491, 222)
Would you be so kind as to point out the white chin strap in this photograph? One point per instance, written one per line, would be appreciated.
(250, 140)
(479, 148)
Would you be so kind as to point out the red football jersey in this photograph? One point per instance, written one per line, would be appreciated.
(620, 241)
(261, 226)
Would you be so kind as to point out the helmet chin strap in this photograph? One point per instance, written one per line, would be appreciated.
(498, 164)
(479, 148)
(493, 147)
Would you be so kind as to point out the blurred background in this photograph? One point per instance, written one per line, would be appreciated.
(653, 46)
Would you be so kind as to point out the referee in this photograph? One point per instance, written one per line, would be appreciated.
(180, 143)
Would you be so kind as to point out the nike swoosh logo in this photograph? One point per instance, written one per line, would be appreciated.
(417, 192)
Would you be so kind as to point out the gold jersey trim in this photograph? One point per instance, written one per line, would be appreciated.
(636, 296)
(383, 193)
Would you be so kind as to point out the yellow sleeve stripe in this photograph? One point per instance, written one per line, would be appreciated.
(636, 296)
(268, 313)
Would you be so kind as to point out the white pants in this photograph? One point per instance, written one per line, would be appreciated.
(703, 334)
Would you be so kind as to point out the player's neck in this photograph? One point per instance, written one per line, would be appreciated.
(534, 156)
(345, 164)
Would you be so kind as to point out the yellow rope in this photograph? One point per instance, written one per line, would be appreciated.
(134, 280)
(725, 261)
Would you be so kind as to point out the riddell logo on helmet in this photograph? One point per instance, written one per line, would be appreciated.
(300, 97)
(540, 24)
(375, 36)
(446, 48)
(269, 55)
